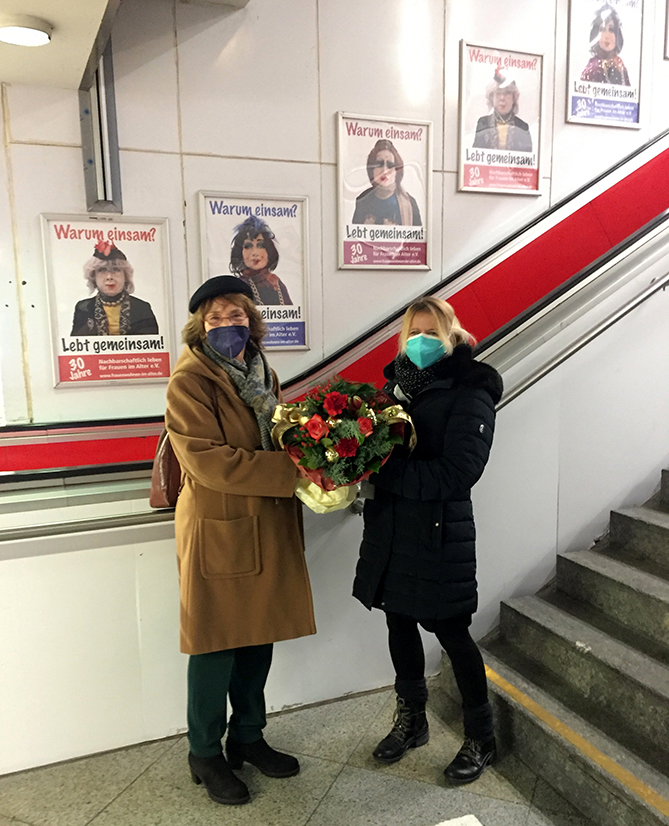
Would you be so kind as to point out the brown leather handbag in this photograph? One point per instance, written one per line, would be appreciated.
(165, 476)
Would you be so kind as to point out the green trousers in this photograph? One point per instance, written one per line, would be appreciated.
(238, 672)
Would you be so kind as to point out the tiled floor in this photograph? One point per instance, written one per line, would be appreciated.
(339, 784)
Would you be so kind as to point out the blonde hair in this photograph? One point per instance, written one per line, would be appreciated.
(193, 334)
(446, 323)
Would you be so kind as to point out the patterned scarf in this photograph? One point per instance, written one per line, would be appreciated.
(252, 379)
(412, 379)
(101, 322)
(254, 279)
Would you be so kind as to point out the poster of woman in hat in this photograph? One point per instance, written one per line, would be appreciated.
(109, 304)
(262, 240)
(384, 169)
(500, 120)
(604, 62)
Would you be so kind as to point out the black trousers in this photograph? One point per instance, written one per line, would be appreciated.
(408, 656)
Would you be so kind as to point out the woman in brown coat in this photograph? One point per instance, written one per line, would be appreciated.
(243, 577)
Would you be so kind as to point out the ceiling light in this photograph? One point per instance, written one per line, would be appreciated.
(24, 30)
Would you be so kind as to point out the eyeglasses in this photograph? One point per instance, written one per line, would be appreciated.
(387, 164)
(234, 319)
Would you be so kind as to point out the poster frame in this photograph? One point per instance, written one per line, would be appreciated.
(203, 194)
(166, 330)
(569, 118)
(427, 216)
(462, 186)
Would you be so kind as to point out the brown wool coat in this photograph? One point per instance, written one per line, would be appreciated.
(240, 547)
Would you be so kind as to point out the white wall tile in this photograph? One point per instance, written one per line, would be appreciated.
(145, 75)
(515, 502)
(356, 300)
(163, 667)
(614, 426)
(14, 404)
(262, 178)
(44, 115)
(528, 26)
(68, 640)
(581, 152)
(249, 79)
(382, 57)
(50, 181)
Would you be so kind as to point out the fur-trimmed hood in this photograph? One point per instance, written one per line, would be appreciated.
(463, 369)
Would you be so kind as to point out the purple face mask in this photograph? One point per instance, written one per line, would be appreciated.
(229, 341)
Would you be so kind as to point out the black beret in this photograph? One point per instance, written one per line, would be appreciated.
(218, 285)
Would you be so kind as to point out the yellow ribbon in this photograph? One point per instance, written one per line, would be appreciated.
(324, 501)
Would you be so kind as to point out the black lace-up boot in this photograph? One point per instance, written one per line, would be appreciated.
(469, 762)
(409, 731)
(479, 749)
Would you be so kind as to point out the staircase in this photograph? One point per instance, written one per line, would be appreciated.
(579, 673)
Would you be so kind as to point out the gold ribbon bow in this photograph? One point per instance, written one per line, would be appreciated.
(396, 415)
(285, 417)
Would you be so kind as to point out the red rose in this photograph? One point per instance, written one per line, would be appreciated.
(317, 427)
(366, 426)
(334, 403)
(347, 447)
(104, 247)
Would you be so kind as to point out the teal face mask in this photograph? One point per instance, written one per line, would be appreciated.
(424, 350)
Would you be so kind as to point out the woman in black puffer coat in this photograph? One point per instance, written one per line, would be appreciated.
(417, 558)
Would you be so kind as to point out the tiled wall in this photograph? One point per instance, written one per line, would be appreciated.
(211, 97)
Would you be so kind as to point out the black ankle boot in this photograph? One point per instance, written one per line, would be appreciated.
(469, 762)
(409, 731)
(221, 784)
(262, 756)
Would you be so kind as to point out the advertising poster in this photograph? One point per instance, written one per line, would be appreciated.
(500, 120)
(109, 298)
(604, 70)
(262, 239)
(384, 193)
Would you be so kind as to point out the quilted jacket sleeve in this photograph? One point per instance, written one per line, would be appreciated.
(466, 447)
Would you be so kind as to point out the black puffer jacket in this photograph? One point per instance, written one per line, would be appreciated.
(418, 548)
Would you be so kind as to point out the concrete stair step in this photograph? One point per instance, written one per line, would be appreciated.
(609, 674)
(664, 488)
(623, 731)
(641, 532)
(605, 547)
(606, 782)
(631, 597)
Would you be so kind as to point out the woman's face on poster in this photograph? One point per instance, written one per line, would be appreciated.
(607, 36)
(110, 278)
(254, 254)
(385, 169)
(503, 101)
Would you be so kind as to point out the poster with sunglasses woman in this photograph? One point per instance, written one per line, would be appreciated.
(603, 80)
(261, 240)
(384, 193)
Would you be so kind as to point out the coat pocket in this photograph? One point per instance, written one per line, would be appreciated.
(229, 547)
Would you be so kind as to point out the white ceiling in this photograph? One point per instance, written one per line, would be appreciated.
(61, 62)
